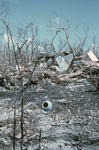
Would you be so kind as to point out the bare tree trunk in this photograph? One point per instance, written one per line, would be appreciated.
(22, 121)
(8, 42)
(40, 140)
(17, 62)
(14, 128)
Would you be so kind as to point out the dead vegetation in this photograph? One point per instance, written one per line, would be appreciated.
(26, 69)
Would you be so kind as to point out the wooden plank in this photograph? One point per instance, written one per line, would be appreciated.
(92, 56)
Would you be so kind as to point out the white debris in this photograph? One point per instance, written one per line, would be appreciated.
(92, 56)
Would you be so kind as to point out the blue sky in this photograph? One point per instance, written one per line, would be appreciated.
(80, 12)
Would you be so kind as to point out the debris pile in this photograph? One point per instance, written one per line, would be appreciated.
(91, 73)
(91, 70)
(60, 68)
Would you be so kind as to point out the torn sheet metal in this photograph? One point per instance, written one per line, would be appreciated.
(49, 62)
(62, 64)
(59, 59)
(68, 58)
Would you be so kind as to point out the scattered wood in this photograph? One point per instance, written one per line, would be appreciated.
(91, 73)
(86, 69)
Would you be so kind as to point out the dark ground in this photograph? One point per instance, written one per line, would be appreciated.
(72, 123)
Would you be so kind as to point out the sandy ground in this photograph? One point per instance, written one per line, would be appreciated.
(72, 123)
